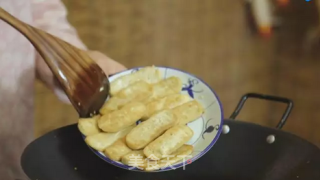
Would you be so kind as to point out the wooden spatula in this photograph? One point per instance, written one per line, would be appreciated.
(84, 82)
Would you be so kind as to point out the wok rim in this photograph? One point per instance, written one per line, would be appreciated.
(283, 132)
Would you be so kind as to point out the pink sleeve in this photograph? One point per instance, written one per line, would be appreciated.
(51, 16)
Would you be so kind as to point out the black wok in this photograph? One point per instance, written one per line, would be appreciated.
(241, 154)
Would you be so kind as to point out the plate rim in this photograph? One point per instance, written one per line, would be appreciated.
(179, 165)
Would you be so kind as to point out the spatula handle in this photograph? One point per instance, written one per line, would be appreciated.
(39, 39)
(20, 26)
(80, 77)
(30, 33)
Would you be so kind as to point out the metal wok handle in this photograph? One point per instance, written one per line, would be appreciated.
(265, 97)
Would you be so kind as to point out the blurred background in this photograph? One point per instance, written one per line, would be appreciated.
(217, 40)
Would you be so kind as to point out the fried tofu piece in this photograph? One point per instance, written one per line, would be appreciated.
(135, 159)
(165, 87)
(89, 126)
(167, 102)
(135, 92)
(140, 88)
(149, 74)
(122, 118)
(169, 142)
(180, 154)
(117, 150)
(103, 140)
(149, 130)
(113, 104)
(188, 112)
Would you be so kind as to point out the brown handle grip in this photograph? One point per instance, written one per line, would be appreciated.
(14, 22)
(77, 73)
(29, 32)
(32, 34)
(47, 45)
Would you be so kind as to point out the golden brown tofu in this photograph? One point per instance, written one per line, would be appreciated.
(122, 118)
(89, 126)
(135, 92)
(150, 75)
(140, 88)
(184, 150)
(167, 102)
(169, 142)
(180, 154)
(117, 150)
(113, 104)
(102, 140)
(188, 112)
(165, 87)
(149, 130)
(135, 159)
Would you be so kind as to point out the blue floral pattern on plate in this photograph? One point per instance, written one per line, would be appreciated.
(189, 87)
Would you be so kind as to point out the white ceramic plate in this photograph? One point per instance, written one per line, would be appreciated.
(206, 129)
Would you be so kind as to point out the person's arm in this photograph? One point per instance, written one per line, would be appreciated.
(51, 16)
